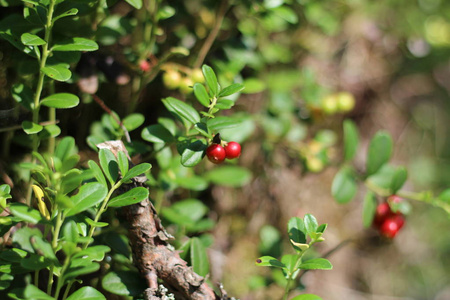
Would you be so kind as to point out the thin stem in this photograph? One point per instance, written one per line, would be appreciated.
(51, 118)
(212, 35)
(60, 283)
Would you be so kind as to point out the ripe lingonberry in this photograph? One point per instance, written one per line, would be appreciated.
(382, 212)
(144, 65)
(233, 150)
(215, 153)
(390, 227)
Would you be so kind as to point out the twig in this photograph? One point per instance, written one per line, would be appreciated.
(212, 35)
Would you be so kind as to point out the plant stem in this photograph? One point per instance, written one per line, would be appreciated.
(51, 118)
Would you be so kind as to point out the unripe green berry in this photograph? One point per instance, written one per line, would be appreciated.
(346, 101)
(172, 79)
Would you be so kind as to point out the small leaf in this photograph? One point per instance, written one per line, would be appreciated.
(124, 283)
(300, 246)
(75, 44)
(316, 264)
(93, 253)
(95, 224)
(211, 80)
(29, 39)
(86, 293)
(445, 196)
(307, 297)
(380, 150)
(65, 148)
(61, 100)
(193, 153)
(122, 160)
(224, 104)
(230, 90)
(135, 3)
(35, 262)
(98, 174)
(344, 186)
(199, 257)
(369, 207)
(80, 266)
(31, 128)
(351, 139)
(219, 123)
(109, 165)
(59, 72)
(88, 196)
(269, 261)
(133, 121)
(32, 292)
(201, 94)
(182, 110)
(311, 224)
(157, 134)
(297, 230)
(133, 196)
(23, 95)
(136, 171)
(44, 248)
(399, 179)
(25, 213)
(70, 12)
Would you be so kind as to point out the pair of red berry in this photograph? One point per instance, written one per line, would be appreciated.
(387, 221)
(217, 153)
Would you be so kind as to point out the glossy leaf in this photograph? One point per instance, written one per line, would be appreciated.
(307, 297)
(193, 153)
(93, 253)
(311, 224)
(133, 196)
(201, 94)
(398, 179)
(86, 293)
(44, 248)
(219, 123)
(75, 44)
(380, 150)
(351, 140)
(133, 121)
(230, 90)
(65, 148)
(29, 39)
(23, 235)
(369, 207)
(122, 161)
(157, 134)
(80, 266)
(199, 257)
(182, 110)
(136, 171)
(109, 165)
(51, 130)
(31, 128)
(32, 292)
(35, 262)
(97, 171)
(344, 186)
(269, 261)
(59, 72)
(316, 264)
(297, 230)
(88, 196)
(23, 95)
(70, 12)
(25, 213)
(124, 283)
(211, 80)
(61, 100)
(224, 104)
(233, 176)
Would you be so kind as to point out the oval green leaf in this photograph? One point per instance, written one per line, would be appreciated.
(230, 90)
(124, 283)
(133, 121)
(211, 80)
(59, 72)
(25, 213)
(88, 196)
(133, 196)
(201, 94)
(61, 100)
(157, 134)
(233, 176)
(136, 171)
(29, 39)
(269, 261)
(87, 293)
(199, 257)
(369, 207)
(316, 264)
(31, 128)
(351, 140)
(380, 150)
(182, 110)
(75, 44)
(398, 179)
(344, 186)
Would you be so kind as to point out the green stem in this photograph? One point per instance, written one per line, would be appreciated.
(56, 231)
(52, 119)
(101, 211)
(60, 283)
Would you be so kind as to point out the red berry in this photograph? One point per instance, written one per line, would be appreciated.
(382, 212)
(390, 227)
(215, 153)
(394, 199)
(233, 150)
(144, 66)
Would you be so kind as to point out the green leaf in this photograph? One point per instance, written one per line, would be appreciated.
(203, 129)
(133, 196)
(369, 207)
(230, 90)
(61, 100)
(75, 44)
(87, 293)
(311, 225)
(98, 173)
(199, 257)
(445, 196)
(316, 264)
(182, 110)
(124, 283)
(219, 123)
(65, 148)
(51, 130)
(193, 153)
(32, 292)
(93, 253)
(269, 261)
(13, 255)
(59, 72)
(233, 176)
(23, 95)
(380, 150)
(70, 12)
(253, 85)
(297, 230)
(195, 183)
(224, 104)
(29, 39)
(96, 224)
(25, 213)
(344, 186)
(135, 3)
(122, 160)
(31, 128)
(88, 196)
(307, 297)
(201, 94)
(80, 266)
(5, 281)
(23, 235)
(109, 165)
(133, 121)
(398, 179)
(70, 231)
(157, 134)
(211, 80)
(351, 139)
(35, 262)
(136, 171)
